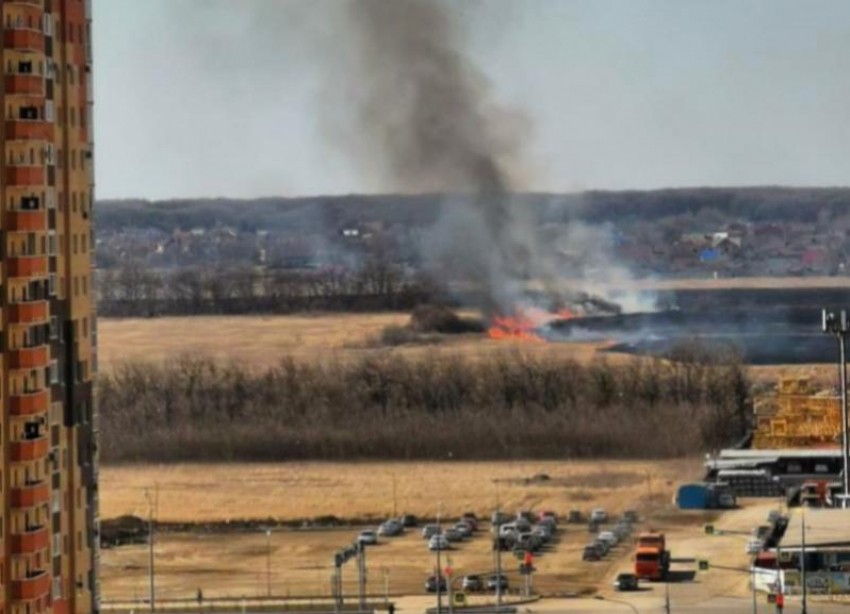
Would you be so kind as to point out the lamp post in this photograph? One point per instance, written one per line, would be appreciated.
(268, 562)
(837, 323)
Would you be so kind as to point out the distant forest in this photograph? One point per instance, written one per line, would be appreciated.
(756, 204)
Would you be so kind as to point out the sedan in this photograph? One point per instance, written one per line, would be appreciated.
(626, 582)
(367, 537)
(754, 546)
(453, 535)
(430, 530)
(438, 542)
(464, 529)
(391, 528)
(495, 581)
(473, 584)
(431, 584)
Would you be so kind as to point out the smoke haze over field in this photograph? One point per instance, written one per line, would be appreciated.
(423, 121)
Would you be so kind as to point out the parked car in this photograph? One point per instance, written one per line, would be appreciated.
(528, 542)
(409, 521)
(431, 584)
(543, 532)
(522, 525)
(626, 582)
(391, 528)
(470, 519)
(602, 546)
(438, 542)
(463, 529)
(453, 535)
(598, 516)
(430, 530)
(368, 537)
(754, 546)
(608, 537)
(591, 553)
(496, 581)
(508, 530)
(630, 516)
(500, 518)
(773, 516)
(528, 516)
(473, 584)
(549, 514)
(549, 523)
(575, 517)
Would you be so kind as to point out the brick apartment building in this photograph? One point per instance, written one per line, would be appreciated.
(48, 477)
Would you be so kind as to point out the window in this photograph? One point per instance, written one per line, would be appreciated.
(51, 284)
(54, 327)
(54, 372)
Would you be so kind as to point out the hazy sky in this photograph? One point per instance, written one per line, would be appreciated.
(230, 97)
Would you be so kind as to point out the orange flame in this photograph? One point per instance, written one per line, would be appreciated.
(523, 324)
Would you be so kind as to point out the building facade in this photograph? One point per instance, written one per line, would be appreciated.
(48, 525)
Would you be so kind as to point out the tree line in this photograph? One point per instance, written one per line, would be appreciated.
(437, 405)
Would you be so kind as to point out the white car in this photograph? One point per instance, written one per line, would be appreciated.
(438, 542)
(391, 528)
(430, 530)
(754, 546)
(368, 537)
(598, 516)
(609, 537)
(508, 530)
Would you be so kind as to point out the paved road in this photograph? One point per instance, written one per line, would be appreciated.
(644, 604)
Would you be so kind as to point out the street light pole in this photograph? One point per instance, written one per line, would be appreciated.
(268, 562)
(837, 323)
(803, 562)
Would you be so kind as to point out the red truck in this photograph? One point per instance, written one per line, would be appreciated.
(652, 559)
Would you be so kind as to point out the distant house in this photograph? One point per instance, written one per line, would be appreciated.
(710, 255)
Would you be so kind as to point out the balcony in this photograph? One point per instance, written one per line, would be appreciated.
(29, 313)
(30, 449)
(29, 404)
(26, 221)
(30, 496)
(24, 40)
(32, 587)
(29, 358)
(25, 175)
(26, 85)
(31, 541)
(29, 130)
(27, 266)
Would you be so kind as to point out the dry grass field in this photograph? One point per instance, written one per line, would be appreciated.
(260, 341)
(370, 490)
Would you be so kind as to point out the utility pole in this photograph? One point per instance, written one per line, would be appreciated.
(395, 498)
(151, 572)
(805, 609)
(361, 569)
(755, 596)
(838, 324)
(439, 567)
(268, 562)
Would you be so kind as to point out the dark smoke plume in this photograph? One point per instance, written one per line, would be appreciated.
(423, 121)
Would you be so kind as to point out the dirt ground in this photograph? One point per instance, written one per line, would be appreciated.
(235, 563)
(298, 562)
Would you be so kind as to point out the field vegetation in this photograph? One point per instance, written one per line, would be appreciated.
(436, 404)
